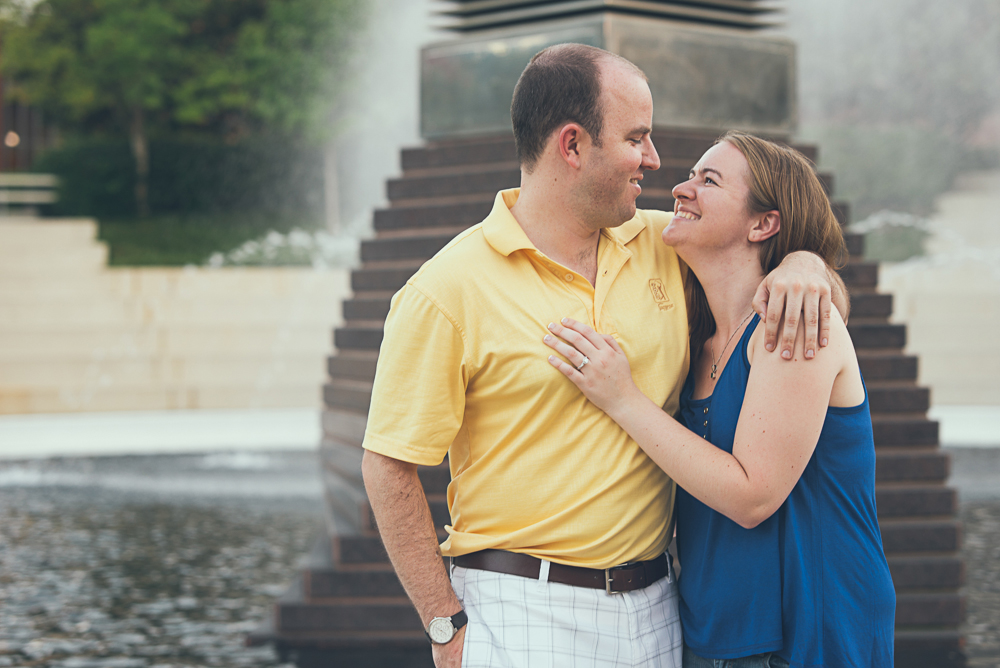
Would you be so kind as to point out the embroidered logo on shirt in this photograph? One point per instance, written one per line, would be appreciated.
(660, 294)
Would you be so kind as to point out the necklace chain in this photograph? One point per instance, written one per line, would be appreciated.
(715, 364)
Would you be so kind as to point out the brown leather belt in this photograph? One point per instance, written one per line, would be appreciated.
(627, 577)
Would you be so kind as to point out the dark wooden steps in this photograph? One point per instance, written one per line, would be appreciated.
(929, 609)
(915, 500)
(909, 464)
(863, 307)
(876, 334)
(433, 214)
(348, 608)
(434, 185)
(359, 365)
(891, 405)
(399, 248)
(882, 364)
(671, 144)
(927, 572)
(393, 274)
(904, 430)
(913, 535)
(338, 616)
(929, 646)
(896, 397)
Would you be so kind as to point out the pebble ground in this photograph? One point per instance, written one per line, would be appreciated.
(982, 582)
(92, 577)
(108, 572)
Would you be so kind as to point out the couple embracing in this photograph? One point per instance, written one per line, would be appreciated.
(598, 375)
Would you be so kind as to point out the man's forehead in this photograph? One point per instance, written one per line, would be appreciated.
(613, 71)
(625, 90)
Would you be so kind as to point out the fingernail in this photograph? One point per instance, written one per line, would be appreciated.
(546, 338)
(787, 354)
(551, 325)
(809, 354)
(769, 346)
(825, 341)
(552, 358)
(564, 320)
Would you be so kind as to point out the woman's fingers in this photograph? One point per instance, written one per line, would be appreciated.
(584, 330)
(574, 338)
(566, 369)
(564, 349)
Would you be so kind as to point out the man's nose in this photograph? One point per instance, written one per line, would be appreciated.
(650, 158)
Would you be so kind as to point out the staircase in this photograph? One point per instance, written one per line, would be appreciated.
(348, 609)
(76, 335)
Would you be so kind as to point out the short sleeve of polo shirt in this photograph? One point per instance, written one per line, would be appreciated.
(418, 400)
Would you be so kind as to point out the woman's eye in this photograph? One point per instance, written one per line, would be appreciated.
(709, 179)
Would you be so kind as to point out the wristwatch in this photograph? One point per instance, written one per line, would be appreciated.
(442, 629)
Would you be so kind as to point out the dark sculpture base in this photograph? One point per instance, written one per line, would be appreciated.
(700, 76)
(348, 608)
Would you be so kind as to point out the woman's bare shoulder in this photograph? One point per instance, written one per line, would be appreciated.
(838, 352)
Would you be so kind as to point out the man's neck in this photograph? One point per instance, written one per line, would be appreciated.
(548, 219)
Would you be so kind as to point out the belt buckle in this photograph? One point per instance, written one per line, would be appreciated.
(607, 581)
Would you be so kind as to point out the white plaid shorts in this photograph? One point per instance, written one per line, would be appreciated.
(517, 622)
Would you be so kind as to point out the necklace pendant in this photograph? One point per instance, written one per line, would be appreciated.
(712, 375)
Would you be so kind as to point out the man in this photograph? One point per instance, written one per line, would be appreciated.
(559, 521)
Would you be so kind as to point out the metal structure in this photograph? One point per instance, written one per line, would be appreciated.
(708, 64)
(474, 15)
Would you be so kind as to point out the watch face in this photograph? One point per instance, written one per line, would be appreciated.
(441, 630)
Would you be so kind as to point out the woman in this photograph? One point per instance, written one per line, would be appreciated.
(777, 536)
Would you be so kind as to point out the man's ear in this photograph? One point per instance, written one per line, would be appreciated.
(766, 227)
(569, 139)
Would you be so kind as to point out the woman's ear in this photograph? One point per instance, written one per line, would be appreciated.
(766, 227)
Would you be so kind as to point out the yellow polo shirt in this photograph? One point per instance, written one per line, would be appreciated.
(536, 467)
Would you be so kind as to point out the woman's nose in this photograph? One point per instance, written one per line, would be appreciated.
(682, 190)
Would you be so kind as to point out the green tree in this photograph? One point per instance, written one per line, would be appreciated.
(229, 67)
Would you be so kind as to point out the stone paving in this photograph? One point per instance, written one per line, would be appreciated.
(94, 577)
(982, 582)
(125, 567)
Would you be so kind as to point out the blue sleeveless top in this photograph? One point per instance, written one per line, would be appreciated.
(811, 582)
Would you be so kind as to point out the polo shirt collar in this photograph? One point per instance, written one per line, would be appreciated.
(501, 229)
(505, 234)
(627, 231)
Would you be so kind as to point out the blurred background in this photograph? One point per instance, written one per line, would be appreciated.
(184, 185)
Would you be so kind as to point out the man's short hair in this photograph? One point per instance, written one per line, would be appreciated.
(561, 84)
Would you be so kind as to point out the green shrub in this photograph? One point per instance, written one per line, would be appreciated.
(187, 176)
(96, 178)
(181, 239)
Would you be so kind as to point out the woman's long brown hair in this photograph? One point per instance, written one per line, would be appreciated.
(780, 179)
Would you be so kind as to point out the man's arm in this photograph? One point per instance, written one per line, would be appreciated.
(404, 521)
(803, 284)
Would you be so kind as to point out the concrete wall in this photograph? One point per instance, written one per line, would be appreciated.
(950, 298)
(76, 335)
